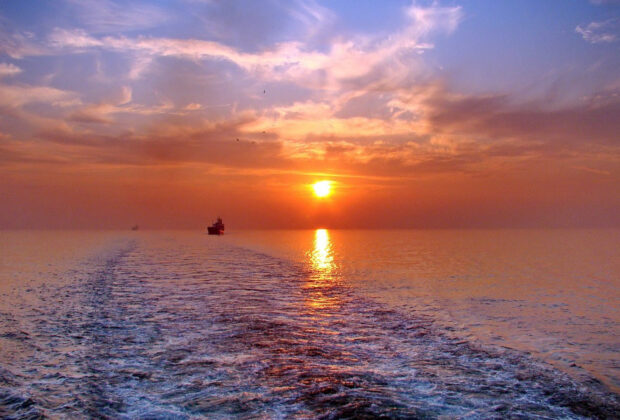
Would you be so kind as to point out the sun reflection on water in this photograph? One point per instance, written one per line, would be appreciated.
(323, 280)
(321, 257)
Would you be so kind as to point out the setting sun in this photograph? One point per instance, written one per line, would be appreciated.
(322, 188)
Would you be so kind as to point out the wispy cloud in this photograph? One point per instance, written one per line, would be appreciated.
(600, 32)
(599, 2)
(593, 171)
(8, 69)
(294, 60)
(314, 17)
(16, 96)
(99, 112)
(19, 44)
(109, 15)
(494, 117)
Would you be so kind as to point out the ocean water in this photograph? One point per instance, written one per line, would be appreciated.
(310, 324)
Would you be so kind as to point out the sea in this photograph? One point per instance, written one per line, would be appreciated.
(307, 324)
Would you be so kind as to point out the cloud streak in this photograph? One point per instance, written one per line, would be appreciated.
(600, 32)
(112, 16)
(8, 69)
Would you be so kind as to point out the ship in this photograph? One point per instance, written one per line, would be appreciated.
(216, 228)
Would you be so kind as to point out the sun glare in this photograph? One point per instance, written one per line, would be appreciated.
(322, 188)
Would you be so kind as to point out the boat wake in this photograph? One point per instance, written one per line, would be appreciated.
(162, 329)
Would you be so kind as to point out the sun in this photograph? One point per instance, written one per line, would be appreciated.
(322, 188)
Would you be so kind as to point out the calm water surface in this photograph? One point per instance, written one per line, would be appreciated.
(306, 324)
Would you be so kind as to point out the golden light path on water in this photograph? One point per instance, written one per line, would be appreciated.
(323, 276)
(144, 313)
(321, 257)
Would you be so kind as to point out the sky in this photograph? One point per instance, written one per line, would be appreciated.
(422, 114)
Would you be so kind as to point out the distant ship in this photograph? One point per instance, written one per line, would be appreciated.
(134, 227)
(216, 228)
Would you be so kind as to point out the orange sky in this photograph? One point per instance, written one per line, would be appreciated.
(170, 126)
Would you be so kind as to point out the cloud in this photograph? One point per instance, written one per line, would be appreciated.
(78, 39)
(457, 134)
(15, 96)
(292, 60)
(225, 144)
(494, 117)
(600, 32)
(21, 105)
(250, 26)
(453, 133)
(428, 20)
(368, 104)
(313, 17)
(108, 16)
(19, 44)
(599, 2)
(593, 171)
(120, 102)
(8, 69)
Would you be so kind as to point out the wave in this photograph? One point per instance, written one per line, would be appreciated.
(169, 329)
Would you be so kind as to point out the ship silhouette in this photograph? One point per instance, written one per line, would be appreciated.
(216, 228)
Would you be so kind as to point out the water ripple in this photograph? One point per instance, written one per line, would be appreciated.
(160, 329)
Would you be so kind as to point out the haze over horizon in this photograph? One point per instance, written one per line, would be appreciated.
(422, 113)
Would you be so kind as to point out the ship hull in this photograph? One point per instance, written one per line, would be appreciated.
(215, 231)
